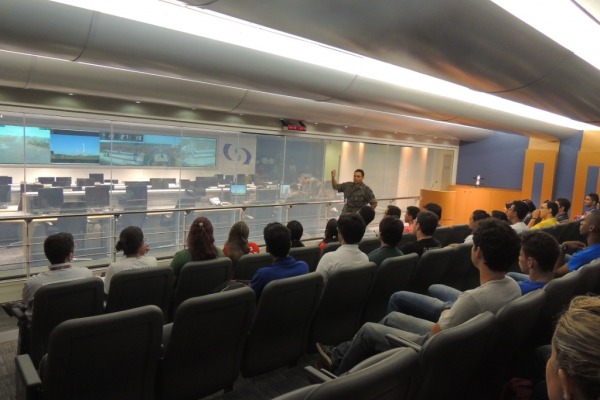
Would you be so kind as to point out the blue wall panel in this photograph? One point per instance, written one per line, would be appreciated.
(538, 178)
(499, 159)
(566, 166)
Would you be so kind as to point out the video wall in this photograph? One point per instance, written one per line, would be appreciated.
(58, 146)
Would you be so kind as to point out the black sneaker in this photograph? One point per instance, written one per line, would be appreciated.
(325, 351)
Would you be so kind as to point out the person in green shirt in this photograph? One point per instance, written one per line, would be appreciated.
(200, 246)
(390, 234)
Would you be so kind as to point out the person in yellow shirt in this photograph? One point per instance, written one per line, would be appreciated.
(545, 216)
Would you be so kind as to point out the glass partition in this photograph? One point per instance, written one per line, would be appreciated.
(92, 177)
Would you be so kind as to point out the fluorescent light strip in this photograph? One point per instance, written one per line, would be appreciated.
(241, 33)
(563, 22)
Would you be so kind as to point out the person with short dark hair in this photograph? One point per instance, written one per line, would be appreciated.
(516, 212)
(477, 215)
(410, 217)
(368, 215)
(545, 216)
(590, 203)
(59, 249)
(563, 209)
(434, 208)
(133, 245)
(532, 207)
(589, 227)
(331, 233)
(501, 215)
(393, 211)
(537, 258)
(495, 248)
(424, 228)
(390, 234)
(351, 228)
(296, 231)
(278, 241)
(356, 193)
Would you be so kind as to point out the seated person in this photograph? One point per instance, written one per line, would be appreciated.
(237, 243)
(59, 249)
(477, 215)
(393, 211)
(390, 234)
(545, 216)
(501, 215)
(590, 229)
(572, 370)
(351, 228)
(563, 209)
(434, 208)
(331, 233)
(278, 242)
(296, 230)
(425, 227)
(538, 256)
(134, 247)
(495, 248)
(410, 217)
(368, 215)
(516, 212)
(200, 246)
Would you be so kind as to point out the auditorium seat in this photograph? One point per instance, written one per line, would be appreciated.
(199, 278)
(101, 357)
(310, 254)
(140, 287)
(392, 275)
(448, 360)
(463, 274)
(54, 304)
(339, 314)
(433, 268)
(385, 376)
(331, 246)
(248, 264)
(368, 245)
(203, 346)
(282, 322)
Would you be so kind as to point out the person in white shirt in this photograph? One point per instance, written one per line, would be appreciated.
(132, 243)
(351, 228)
(516, 212)
(59, 249)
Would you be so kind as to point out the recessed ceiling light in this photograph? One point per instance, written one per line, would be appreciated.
(71, 94)
(138, 102)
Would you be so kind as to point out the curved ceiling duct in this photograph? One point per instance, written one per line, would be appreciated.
(120, 58)
(473, 43)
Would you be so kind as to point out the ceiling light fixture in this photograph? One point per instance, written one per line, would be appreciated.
(226, 29)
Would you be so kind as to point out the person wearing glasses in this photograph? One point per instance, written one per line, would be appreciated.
(545, 216)
(132, 244)
(516, 212)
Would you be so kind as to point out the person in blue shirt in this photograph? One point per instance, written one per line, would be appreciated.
(537, 258)
(278, 241)
(590, 229)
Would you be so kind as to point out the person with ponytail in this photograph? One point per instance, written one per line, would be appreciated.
(132, 244)
(200, 246)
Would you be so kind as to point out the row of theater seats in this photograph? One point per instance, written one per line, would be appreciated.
(213, 338)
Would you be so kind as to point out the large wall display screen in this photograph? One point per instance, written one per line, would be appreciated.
(74, 147)
(20, 145)
(198, 152)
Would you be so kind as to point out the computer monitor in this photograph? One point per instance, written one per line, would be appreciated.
(170, 180)
(111, 181)
(5, 180)
(97, 196)
(137, 192)
(185, 183)
(50, 197)
(97, 177)
(45, 180)
(238, 190)
(85, 182)
(64, 180)
(159, 183)
(266, 195)
(4, 195)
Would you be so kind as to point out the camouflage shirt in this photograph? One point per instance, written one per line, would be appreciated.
(355, 195)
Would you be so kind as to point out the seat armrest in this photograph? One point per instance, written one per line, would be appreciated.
(28, 383)
(321, 375)
(402, 342)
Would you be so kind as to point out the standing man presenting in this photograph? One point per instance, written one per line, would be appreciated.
(356, 194)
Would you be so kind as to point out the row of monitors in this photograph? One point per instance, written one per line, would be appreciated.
(95, 196)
